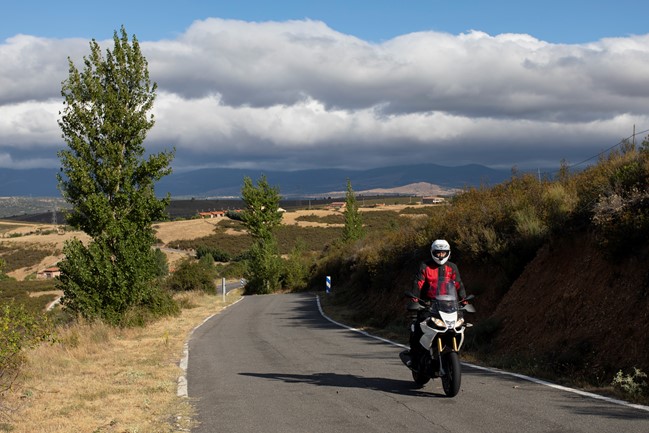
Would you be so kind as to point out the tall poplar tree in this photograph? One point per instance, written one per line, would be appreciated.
(109, 181)
(261, 216)
(353, 229)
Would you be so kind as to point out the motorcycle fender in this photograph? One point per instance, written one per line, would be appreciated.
(460, 334)
(428, 336)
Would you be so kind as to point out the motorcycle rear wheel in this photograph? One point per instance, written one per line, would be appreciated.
(452, 380)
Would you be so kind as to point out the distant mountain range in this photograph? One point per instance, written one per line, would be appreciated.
(227, 182)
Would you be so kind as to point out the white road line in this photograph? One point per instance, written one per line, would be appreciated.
(494, 370)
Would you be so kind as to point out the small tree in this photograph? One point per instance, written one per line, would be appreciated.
(261, 213)
(110, 183)
(353, 229)
(260, 217)
(264, 267)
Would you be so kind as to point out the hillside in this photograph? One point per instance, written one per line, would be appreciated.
(23, 236)
(576, 309)
(226, 182)
(572, 308)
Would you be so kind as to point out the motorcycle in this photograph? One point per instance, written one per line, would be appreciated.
(441, 324)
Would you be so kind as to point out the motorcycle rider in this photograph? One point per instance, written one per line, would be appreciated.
(432, 274)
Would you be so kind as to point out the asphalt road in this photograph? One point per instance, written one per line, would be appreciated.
(274, 364)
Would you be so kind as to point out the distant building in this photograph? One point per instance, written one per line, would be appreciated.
(49, 273)
(432, 200)
(212, 214)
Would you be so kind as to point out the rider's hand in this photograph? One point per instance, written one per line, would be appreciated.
(463, 302)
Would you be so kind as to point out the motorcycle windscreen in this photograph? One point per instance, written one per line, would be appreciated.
(447, 299)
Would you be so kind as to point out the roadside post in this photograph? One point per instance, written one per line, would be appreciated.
(223, 286)
(328, 290)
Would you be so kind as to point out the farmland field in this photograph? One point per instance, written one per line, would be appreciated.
(31, 247)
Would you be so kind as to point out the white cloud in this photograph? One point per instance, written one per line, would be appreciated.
(297, 94)
(30, 124)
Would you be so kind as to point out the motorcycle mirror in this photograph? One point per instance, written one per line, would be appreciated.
(414, 306)
(469, 308)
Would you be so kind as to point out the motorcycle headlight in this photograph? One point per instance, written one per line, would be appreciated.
(437, 322)
(459, 323)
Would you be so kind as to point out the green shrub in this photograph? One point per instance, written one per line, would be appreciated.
(426, 210)
(161, 263)
(233, 215)
(159, 304)
(193, 274)
(620, 213)
(105, 279)
(632, 384)
(19, 330)
(325, 219)
(296, 268)
(217, 254)
(234, 269)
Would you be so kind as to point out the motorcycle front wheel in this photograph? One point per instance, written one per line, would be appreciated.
(451, 381)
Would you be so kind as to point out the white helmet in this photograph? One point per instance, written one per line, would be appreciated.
(440, 250)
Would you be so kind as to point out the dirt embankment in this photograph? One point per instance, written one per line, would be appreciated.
(578, 308)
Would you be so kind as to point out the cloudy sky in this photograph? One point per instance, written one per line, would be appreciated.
(296, 84)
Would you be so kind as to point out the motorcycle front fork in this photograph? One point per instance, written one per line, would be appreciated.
(440, 352)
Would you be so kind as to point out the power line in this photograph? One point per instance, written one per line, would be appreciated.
(624, 140)
(619, 143)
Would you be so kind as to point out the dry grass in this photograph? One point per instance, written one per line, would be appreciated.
(188, 229)
(101, 379)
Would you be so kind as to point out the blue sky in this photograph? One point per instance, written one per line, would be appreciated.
(348, 84)
(567, 21)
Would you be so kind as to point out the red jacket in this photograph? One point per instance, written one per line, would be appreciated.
(426, 285)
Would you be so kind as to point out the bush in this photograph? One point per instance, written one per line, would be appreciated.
(620, 211)
(296, 268)
(161, 263)
(105, 279)
(217, 254)
(632, 384)
(233, 215)
(193, 274)
(159, 304)
(235, 269)
(19, 330)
